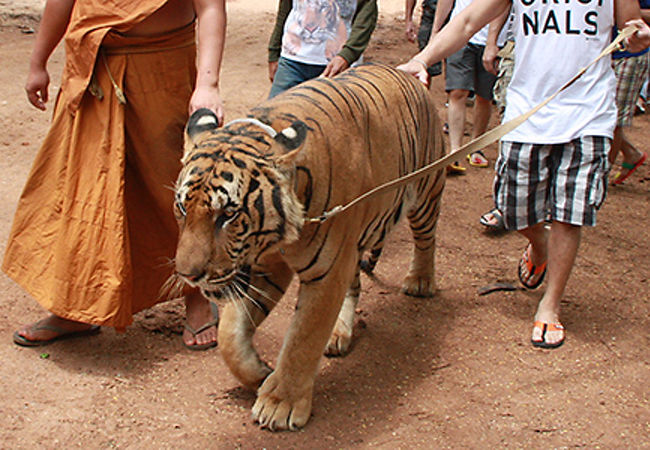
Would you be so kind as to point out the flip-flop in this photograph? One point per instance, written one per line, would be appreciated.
(618, 178)
(62, 334)
(531, 269)
(486, 222)
(545, 327)
(205, 326)
(478, 159)
(455, 169)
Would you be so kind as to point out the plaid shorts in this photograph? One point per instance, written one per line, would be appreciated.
(567, 182)
(631, 72)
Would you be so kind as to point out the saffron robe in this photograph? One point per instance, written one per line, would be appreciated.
(94, 232)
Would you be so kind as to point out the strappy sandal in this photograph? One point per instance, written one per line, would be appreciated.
(202, 328)
(532, 271)
(487, 221)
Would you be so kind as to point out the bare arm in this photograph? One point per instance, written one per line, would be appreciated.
(491, 49)
(211, 30)
(628, 13)
(54, 22)
(443, 9)
(409, 31)
(454, 35)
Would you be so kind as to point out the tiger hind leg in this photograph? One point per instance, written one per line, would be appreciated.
(368, 265)
(341, 338)
(423, 218)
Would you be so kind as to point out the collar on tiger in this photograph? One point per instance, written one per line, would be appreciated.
(254, 121)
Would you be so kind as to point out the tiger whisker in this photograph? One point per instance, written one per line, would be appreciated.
(240, 301)
(257, 290)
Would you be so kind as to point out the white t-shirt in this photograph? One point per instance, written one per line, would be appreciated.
(553, 41)
(316, 30)
(480, 38)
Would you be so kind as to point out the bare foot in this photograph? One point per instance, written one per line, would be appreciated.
(201, 330)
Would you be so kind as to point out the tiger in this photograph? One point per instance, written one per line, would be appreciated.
(245, 193)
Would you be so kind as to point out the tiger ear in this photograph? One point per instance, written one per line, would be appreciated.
(291, 138)
(200, 121)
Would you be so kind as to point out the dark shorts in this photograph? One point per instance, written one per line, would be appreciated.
(424, 32)
(465, 71)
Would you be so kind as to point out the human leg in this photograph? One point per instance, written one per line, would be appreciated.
(563, 243)
(459, 81)
(482, 112)
(198, 313)
(630, 75)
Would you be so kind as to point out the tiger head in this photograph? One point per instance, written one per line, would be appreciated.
(234, 199)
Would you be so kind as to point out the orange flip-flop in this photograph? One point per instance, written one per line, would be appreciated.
(546, 327)
(532, 270)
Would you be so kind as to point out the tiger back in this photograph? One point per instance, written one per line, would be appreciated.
(245, 191)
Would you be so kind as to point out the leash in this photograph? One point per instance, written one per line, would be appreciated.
(474, 145)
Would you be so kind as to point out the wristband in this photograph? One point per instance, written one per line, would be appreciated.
(425, 65)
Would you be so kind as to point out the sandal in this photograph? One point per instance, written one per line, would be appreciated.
(619, 178)
(202, 328)
(528, 272)
(545, 327)
(478, 159)
(488, 220)
(456, 169)
(61, 334)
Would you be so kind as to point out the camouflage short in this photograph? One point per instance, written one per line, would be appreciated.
(506, 65)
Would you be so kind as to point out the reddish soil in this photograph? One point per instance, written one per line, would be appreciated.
(456, 370)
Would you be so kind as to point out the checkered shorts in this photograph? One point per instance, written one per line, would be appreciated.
(631, 72)
(566, 181)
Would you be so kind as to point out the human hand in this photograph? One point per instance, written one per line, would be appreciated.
(490, 60)
(416, 68)
(410, 31)
(207, 97)
(640, 40)
(273, 67)
(36, 87)
(337, 65)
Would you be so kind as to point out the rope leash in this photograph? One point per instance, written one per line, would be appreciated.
(476, 144)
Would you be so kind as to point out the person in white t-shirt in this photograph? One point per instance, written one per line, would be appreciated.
(315, 38)
(555, 162)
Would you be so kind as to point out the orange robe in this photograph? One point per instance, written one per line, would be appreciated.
(94, 232)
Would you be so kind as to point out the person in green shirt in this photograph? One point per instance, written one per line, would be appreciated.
(315, 38)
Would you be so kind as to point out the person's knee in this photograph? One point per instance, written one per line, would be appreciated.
(458, 95)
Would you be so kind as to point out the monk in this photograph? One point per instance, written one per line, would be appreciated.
(94, 232)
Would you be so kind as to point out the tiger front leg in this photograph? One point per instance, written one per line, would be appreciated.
(284, 400)
(240, 318)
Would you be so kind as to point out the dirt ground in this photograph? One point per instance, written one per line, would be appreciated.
(455, 371)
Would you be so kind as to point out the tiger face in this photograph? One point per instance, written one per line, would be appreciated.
(233, 206)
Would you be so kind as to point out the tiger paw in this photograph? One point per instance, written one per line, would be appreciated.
(340, 340)
(280, 408)
(418, 286)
